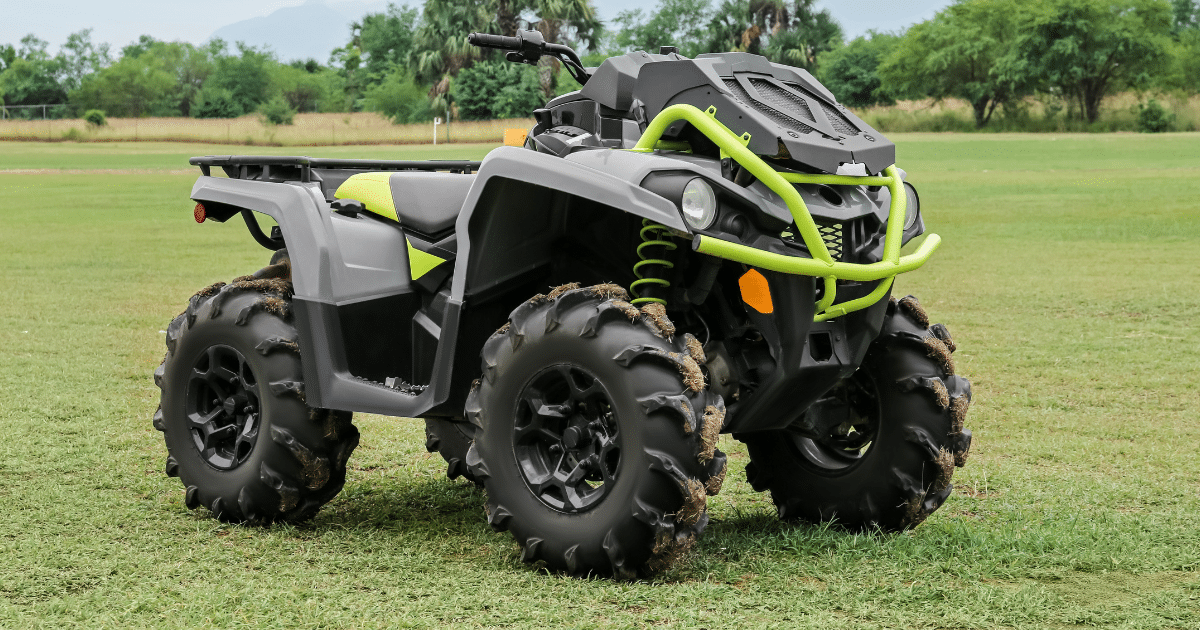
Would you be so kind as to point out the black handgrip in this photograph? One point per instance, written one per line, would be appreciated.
(484, 40)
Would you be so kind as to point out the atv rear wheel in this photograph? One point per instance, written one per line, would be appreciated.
(238, 433)
(889, 463)
(595, 434)
(451, 439)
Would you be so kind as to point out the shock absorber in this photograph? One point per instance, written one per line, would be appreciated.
(650, 285)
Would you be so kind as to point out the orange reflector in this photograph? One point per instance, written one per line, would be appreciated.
(514, 137)
(756, 292)
(199, 213)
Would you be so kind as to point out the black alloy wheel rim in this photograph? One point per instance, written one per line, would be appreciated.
(223, 407)
(848, 443)
(566, 438)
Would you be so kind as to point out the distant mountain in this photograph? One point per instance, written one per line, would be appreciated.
(311, 30)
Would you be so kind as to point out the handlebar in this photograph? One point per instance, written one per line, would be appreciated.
(484, 40)
(528, 47)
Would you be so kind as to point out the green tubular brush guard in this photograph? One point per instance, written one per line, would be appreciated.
(821, 264)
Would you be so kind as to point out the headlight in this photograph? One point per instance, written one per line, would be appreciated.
(913, 209)
(699, 204)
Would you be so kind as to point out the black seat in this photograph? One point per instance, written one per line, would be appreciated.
(426, 202)
(429, 202)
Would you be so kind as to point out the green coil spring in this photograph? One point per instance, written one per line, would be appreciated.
(653, 235)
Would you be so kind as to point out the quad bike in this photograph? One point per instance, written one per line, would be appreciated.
(682, 248)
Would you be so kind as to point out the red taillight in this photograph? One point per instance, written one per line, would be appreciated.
(199, 213)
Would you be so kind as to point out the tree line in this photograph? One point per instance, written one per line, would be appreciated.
(411, 64)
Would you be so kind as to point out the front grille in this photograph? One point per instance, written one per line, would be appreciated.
(783, 120)
(831, 233)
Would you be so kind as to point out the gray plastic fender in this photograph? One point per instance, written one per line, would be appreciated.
(334, 258)
(296, 208)
(558, 174)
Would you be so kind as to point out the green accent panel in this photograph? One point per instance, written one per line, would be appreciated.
(374, 190)
(783, 184)
(419, 262)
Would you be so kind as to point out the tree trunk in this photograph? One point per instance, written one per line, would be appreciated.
(981, 112)
(547, 73)
(506, 19)
(1092, 95)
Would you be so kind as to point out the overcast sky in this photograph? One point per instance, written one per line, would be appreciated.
(119, 22)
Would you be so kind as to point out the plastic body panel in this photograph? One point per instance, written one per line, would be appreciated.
(477, 246)
(800, 378)
(339, 262)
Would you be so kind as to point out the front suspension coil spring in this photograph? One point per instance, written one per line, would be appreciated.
(649, 268)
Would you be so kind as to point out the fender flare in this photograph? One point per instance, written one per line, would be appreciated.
(297, 210)
(531, 167)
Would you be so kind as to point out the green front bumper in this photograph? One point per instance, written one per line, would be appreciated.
(783, 184)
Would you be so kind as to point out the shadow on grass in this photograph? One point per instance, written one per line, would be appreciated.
(407, 506)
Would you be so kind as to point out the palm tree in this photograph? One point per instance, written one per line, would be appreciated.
(557, 21)
(440, 47)
(794, 32)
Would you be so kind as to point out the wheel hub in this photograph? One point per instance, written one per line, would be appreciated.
(222, 407)
(848, 422)
(566, 438)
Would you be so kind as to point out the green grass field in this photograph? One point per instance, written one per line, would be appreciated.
(1068, 276)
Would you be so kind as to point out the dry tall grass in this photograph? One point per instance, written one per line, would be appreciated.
(309, 129)
(1034, 114)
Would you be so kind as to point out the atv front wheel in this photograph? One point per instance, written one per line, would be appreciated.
(595, 434)
(239, 435)
(889, 462)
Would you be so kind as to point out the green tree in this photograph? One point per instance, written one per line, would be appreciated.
(1088, 48)
(793, 33)
(215, 102)
(302, 90)
(440, 47)
(378, 43)
(969, 51)
(131, 88)
(8, 55)
(399, 98)
(246, 76)
(852, 71)
(679, 23)
(803, 36)
(80, 58)
(32, 77)
(571, 22)
(1185, 15)
(497, 89)
(386, 39)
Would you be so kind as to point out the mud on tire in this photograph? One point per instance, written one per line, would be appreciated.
(238, 432)
(595, 434)
(913, 443)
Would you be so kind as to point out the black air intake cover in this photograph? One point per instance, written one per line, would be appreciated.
(789, 115)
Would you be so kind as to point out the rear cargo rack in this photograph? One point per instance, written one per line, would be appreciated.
(300, 167)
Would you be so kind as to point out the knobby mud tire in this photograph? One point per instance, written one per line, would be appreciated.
(667, 420)
(452, 440)
(298, 461)
(905, 474)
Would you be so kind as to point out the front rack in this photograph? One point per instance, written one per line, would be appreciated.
(821, 264)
